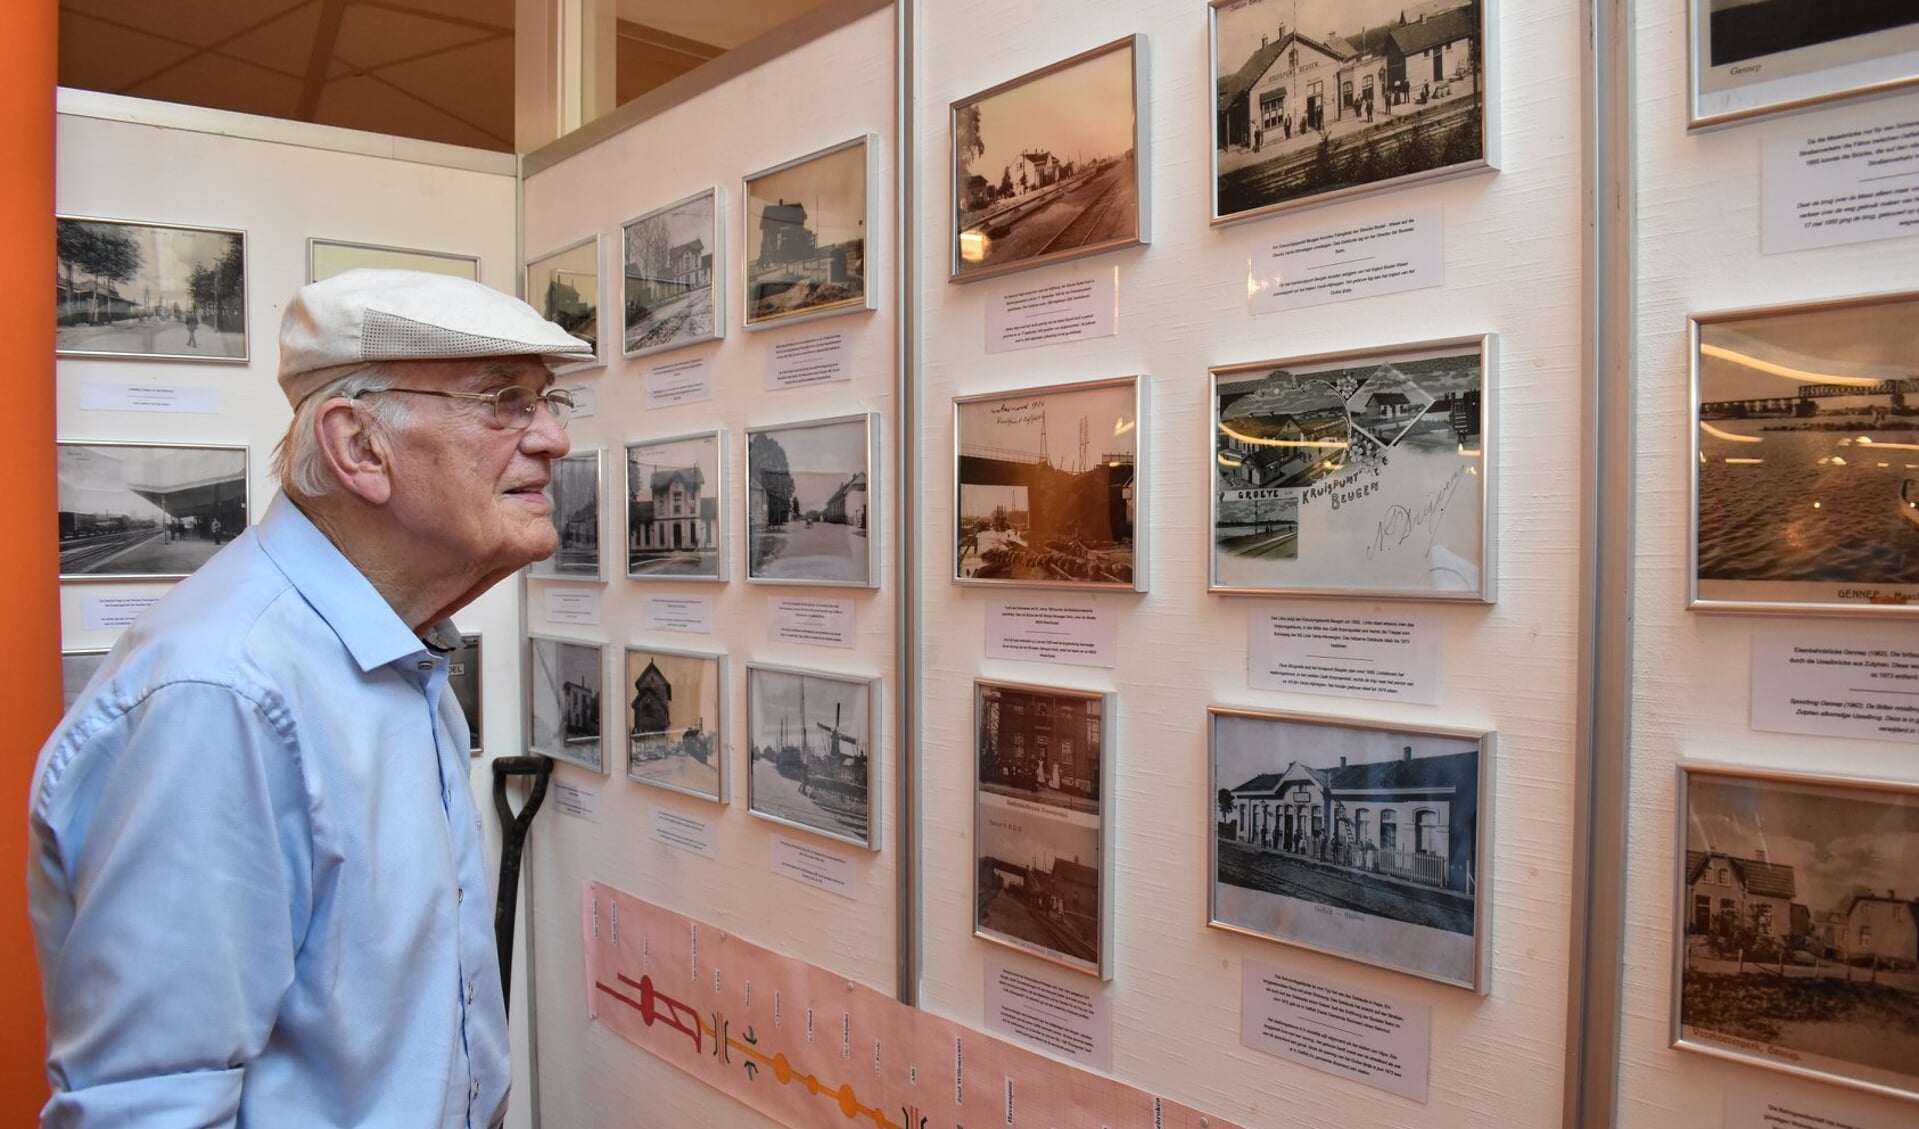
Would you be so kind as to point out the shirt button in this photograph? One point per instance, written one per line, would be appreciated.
(459, 896)
(426, 664)
(469, 991)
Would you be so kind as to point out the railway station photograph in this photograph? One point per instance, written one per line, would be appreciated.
(143, 510)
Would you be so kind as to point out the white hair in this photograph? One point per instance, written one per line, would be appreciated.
(297, 460)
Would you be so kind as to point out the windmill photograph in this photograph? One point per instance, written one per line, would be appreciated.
(811, 746)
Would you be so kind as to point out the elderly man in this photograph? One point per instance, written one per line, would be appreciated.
(257, 881)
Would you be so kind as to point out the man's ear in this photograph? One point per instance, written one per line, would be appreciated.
(355, 449)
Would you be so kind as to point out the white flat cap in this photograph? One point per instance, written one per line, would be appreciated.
(402, 315)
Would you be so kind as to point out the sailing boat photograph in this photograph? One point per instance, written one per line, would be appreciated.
(811, 750)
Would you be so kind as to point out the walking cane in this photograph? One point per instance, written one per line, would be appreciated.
(512, 843)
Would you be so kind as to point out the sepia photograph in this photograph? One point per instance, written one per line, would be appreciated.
(811, 749)
(1049, 165)
(810, 501)
(1797, 926)
(574, 493)
(1325, 99)
(147, 511)
(463, 679)
(1355, 474)
(328, 257)
(675, 706)
(805, 241)
(672, 293)
(566, 718)
(564, 286)
(1753, 57)
(76, 670)
(674, 492)
(1365, 842)
(1049, 490)
(1040, 833)
(149, 290)
(1806, 458)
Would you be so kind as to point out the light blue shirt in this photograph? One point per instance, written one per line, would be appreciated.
(257, 879)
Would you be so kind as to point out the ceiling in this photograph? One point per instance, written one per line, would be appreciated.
(439, 70)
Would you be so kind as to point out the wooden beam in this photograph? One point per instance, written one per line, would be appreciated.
(325, 37)
(667, 41)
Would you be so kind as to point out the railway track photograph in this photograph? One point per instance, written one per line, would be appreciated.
(147, 511)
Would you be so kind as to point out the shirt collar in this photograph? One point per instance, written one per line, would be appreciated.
(342, 595)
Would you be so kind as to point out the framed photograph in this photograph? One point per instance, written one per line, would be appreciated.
(1368, 842)
(1806, 458)
(328, 257)
(675, 706)
(807, 240)
(675, 508)
(565, 715)
(147, 511)
(673, 290)
(1795, 944)
(1753, 57)
(463, 679)
(1048, 486)
(1052, 165)
(564, 285)
(76, 670)
(811, 502)
(1041, 840)
(574, 491)
(1356, 474)
(1321, 100)
(812, 746)
(155, 291)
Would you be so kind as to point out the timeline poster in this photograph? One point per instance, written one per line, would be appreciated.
(812, 1049)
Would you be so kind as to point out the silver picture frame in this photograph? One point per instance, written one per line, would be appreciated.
(77, 668)
(1071, 143)
(676, 731)
(566, 700)
(1364, 474)
(148, 511)
(577, 492)
(799, 263)
(1367, 841)
(676, 512)
(1794, 916)
(1047, 492)
(328, 257)
(1042, 822)
(1771, 56)
(191, 283)
(813, 508)
(466, 681)
(564, 286)
(829, 784)
(1805, 459)
(673, 270)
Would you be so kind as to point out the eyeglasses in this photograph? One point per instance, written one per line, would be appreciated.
(513, 406)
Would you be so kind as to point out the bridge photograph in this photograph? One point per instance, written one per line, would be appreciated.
(147, 511)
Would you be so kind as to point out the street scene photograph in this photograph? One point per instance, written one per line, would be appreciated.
(673, 494)
(1799, 932)
(150, 290)
(565, 287)
(574, 492)
(1047, 486)
(1322, 96)
(805, 238)
(155, 512)
(1360, 842)
(567, 681)
(673, 721)
(1047, 166)
(670, 285)
(811, 748)
(807, 493)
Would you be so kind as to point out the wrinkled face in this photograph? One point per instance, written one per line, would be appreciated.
(469, 491)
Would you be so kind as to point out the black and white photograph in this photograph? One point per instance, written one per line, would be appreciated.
(673, 293)
(811, 504)
(675, 706)
(1366, 842)
(574, 493)
(1806, 458)
(564, 285)
(805, 241)
(150, 290)
(1797, 926)
(674, 496)
(1049, 165)
(147, 511)
(567, 718)
(328, 257)
(1049, 487)
(1324, 99)
(76, 670)
(463, 680)
(811, 740)
(1040, 833)
(1753, 57)
(1355, 474)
